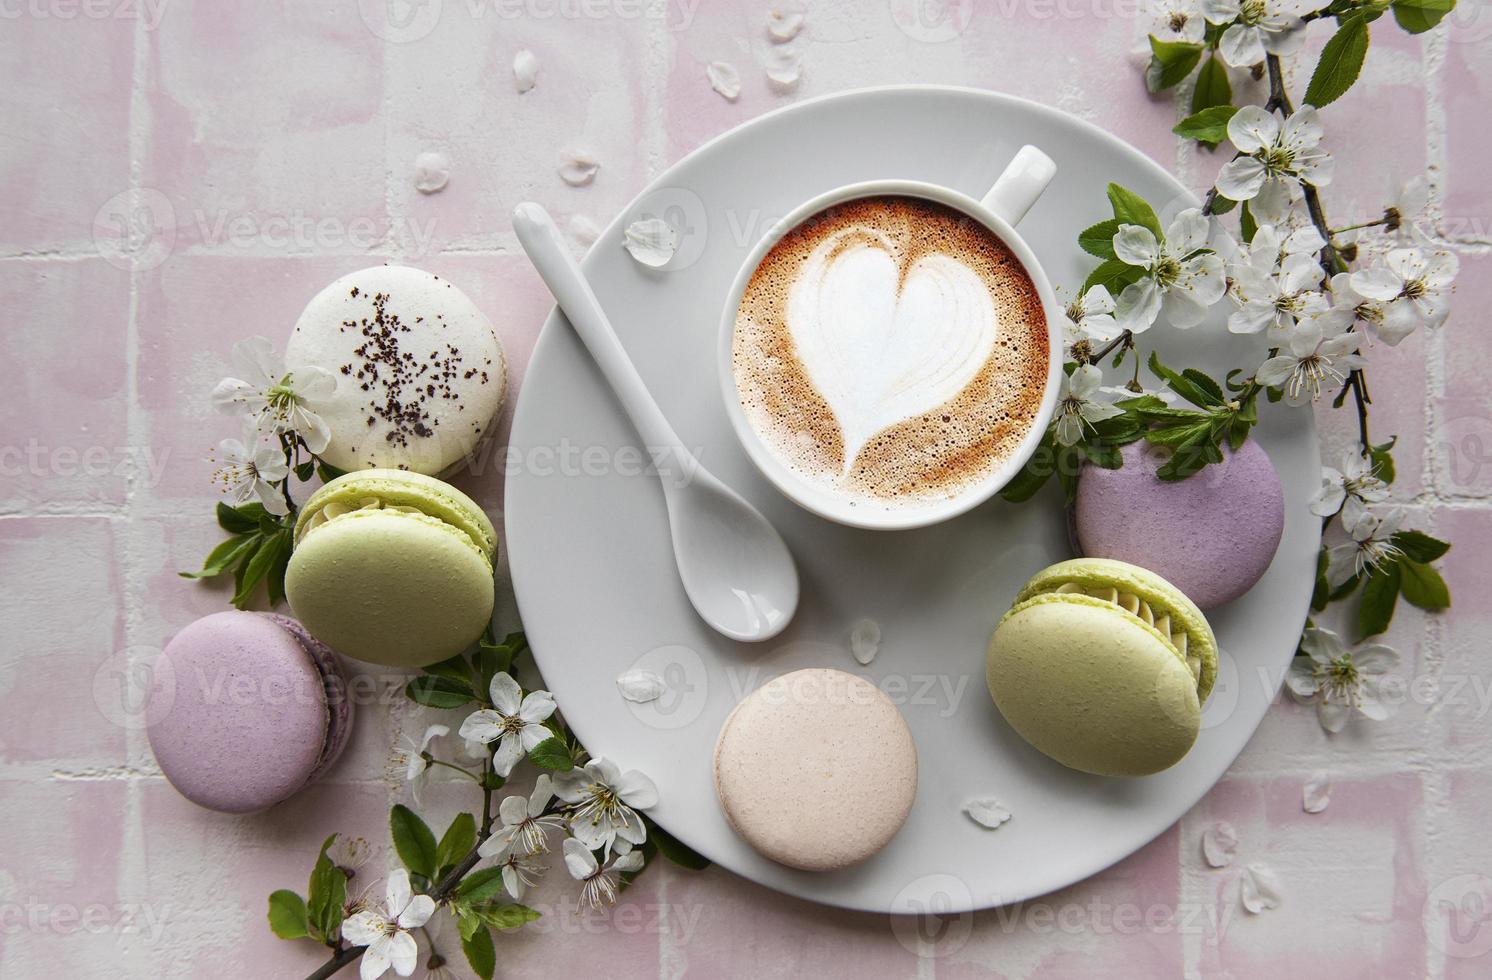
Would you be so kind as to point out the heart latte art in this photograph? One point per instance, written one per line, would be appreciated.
(891, 349)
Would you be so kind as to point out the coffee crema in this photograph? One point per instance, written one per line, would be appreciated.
(891, 349)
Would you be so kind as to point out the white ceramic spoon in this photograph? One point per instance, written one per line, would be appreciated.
(735, 567)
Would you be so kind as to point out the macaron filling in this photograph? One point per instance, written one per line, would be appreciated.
(1148, 612)
(346, 508)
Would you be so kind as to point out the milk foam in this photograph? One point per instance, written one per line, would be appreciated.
(882, 344)
(891, 349)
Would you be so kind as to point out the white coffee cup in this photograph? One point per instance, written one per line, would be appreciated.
(1006, 203)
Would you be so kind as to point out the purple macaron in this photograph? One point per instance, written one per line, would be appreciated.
(247, 709)
(1213, 534)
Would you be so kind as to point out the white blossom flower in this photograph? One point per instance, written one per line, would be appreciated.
(521, 872)
(1310, 358)
(1081, 405)
(1278, 299)
(251, 468)
(413, 754)
(1182, 276)
(604, 799)
(517, 726)
(1273, 160)
(1349, 489)
(1273, 244)
(1090, 318)
(386, 933)
(1370, 544)
(599, 880)
(1177, 20)
(1389, 321)
(1408, 203)
(1412, 277)
(1341, 680)
(1259, 27)
(274, 398)
(524, 826)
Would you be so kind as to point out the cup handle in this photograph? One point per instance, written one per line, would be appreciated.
(1020, 185)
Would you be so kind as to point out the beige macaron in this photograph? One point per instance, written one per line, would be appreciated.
(816, 769)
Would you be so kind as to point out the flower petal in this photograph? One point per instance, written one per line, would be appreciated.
(509, 751)
(536, 707)
(417, 912)
(1240, 179)
(1241, 46)
(404, 953)
(579, 860)
(364, 927)
(506, 694)
(636, 789)
(1188, 232)
(483, 725)
(1136, 245)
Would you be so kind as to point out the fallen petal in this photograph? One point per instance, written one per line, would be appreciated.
(783, 25)
(579, 168)
(784, 68)
(583, 229)
(1219, 844)
(1316, 793)
(1259, 889)
(525, 70)
(724, 79)
(641, 685)
(432, 171)
(865, 640)
(651, 241)
(987, 812)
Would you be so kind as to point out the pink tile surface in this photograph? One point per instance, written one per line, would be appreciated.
(178, 176)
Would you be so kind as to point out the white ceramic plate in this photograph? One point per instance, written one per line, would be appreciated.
(594, 574)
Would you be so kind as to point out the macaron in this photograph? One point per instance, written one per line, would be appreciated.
(816, 769)
(392, 567)
(1212, 535)
(1103, 666)
(246, 709)
(420, 374)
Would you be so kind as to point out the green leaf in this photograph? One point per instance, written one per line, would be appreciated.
(1213, 91)
(225, 556)
(1340, 63)
(1418, 16)
(553, 755)
(480, 953)
(1321, 592)
(508, 916)
(1191, 384)
(242, 519)
(1033, 476)
(413, 839)
(1209, 389)
(1419, 546)
(273, 549)
(325, 896)
(455, 669)
(1379, 596)
(1422, 586)
(1382, 458)
(288, 918)
(460, 837)
(327, 471)
(480, 885)
(1099, 239)
(1113, 275)
(1209, 126)
(304, 471)
(1246, 224)
(1170, 62)
(438, 692)
(675, 850)
(1132, 209)
(274, 582)
(1222, 205)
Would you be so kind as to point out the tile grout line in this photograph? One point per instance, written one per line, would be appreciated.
(132, 869)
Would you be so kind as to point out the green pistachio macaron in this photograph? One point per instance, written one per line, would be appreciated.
(1104, 666)
(392, 567)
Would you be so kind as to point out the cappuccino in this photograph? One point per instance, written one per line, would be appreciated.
(891, 350)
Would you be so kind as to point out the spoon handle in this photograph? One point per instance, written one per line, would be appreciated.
(561, 273)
